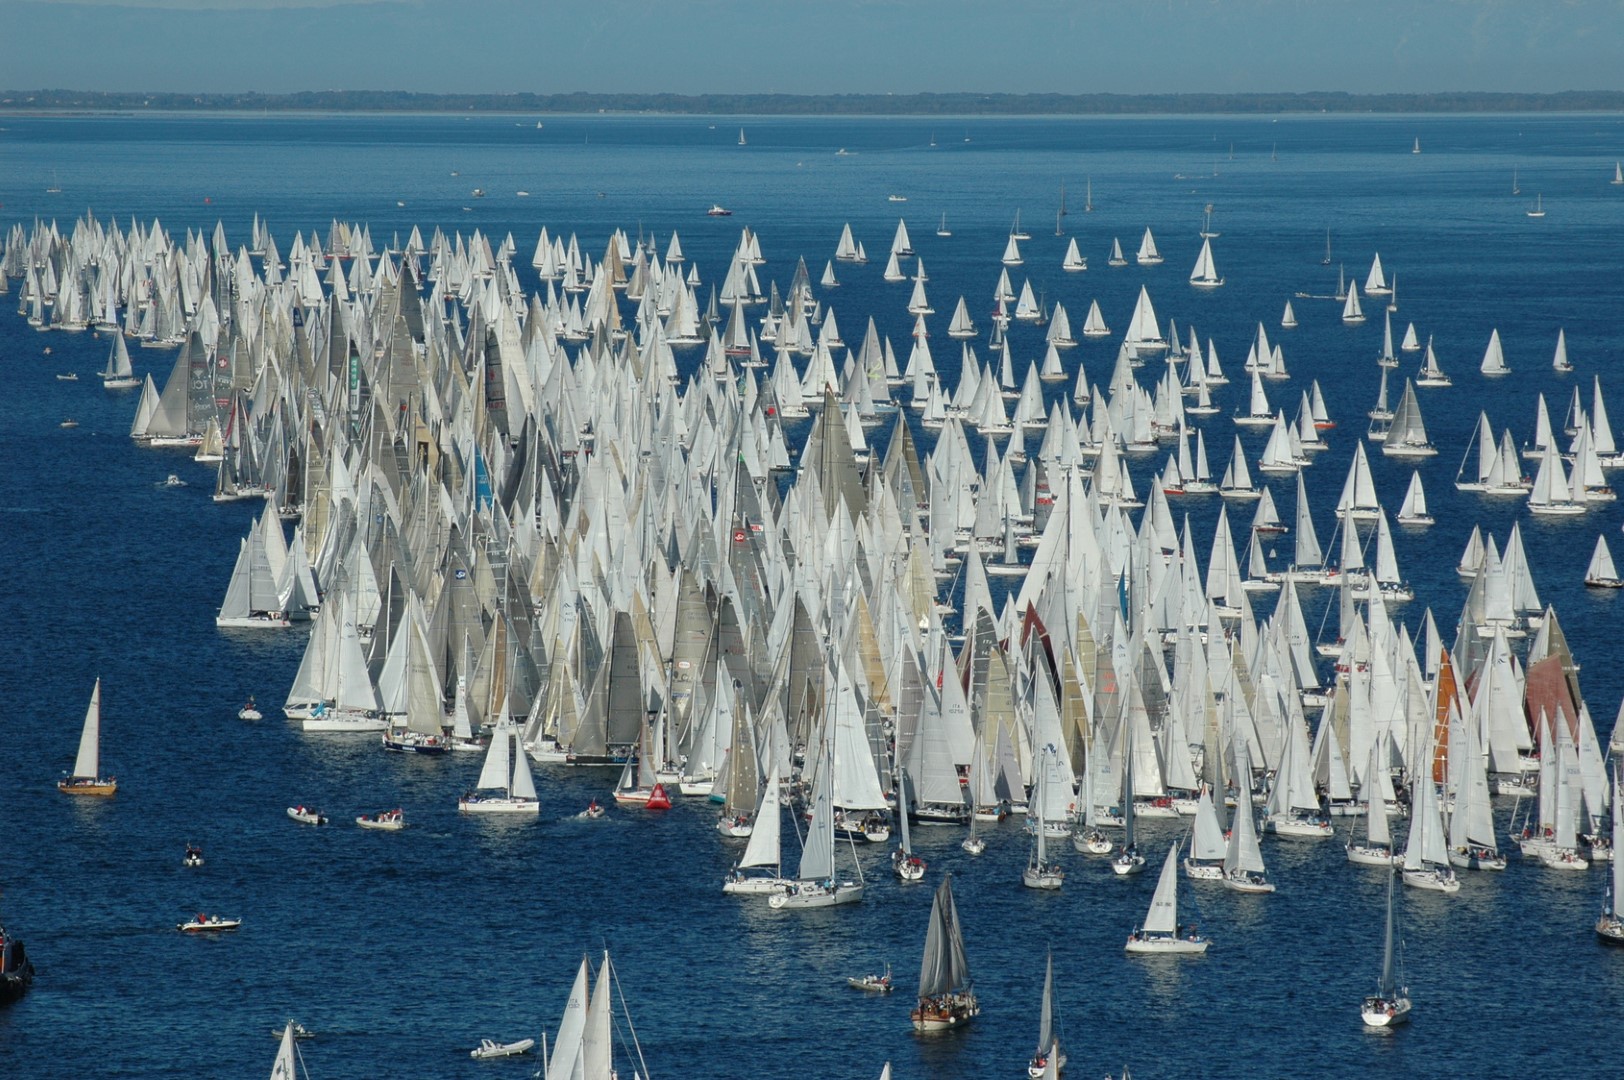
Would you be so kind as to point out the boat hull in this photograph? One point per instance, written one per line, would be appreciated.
(1242, 884)
(97, 787)
(1157, 945)
(499, 805)
(945, 1015)
(755, 886)
(799, 896)
(1381, 1014)
(1369, 856)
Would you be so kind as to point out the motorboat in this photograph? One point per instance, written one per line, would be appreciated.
(871, 983)
(300, 1032)
(383, 820)
(173, 481)
(490, 1048)
(593, 811)
(306, 816)
(250, 711)
(193, 856)
(718, 210)
(201, 923)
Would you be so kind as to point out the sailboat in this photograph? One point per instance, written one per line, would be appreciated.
(1128, 860)
(1288, 318)
(1060, 213)
(761, 853)
(1390, 1004)
(1016, 231)
(942, 229)
(1352, 314)
(589, 1030)
(1147, 254)
(904, 863)
(1327, 260)
(1426, 852)
(741, 137)
(118, 374)
(1116, 257)
(815, 884)
(505, 785)
(1432, 373)
(288, 1062)
(1162, 934)
(1040, 872)
(1243, 861)
(1377, 850)
(1407, 436)
(1205, 273)
(86, 778)
(1413, 512)
(947, 997)
(1207, 843)
(1610, 928)
(1539, 207)
(1416, 149)
(1049, 1058)
(1088, 195)
(1601, 573)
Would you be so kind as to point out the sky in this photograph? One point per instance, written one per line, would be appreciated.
(813, 46)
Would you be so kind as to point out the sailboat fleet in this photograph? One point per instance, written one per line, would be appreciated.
(706, 544)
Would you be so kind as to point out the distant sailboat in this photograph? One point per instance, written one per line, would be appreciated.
(1539, 207)
(1327, 260)
(1515, 190)
(1416, 149)
(1088, 195)
(1601, 573)
(741, 137)
(86, 778)
(1618, 175)
(1390, 1004)
(942, 229)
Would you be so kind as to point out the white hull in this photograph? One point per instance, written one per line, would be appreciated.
(1385, 1014)
(1048, 878)
(1560, 859)
(332, 722)
(800, 897)
(499, 805)
(1443, 881)
(1165, 946)
(263, 622)
(1315, 830)
(1368, 856)
(755, 886)
(1242, 884)
(1198, 871)
(1480, 861)
(1122, 866)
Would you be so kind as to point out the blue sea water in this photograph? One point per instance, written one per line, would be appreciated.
(403, 950)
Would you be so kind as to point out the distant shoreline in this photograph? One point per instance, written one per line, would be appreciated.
(901, 105)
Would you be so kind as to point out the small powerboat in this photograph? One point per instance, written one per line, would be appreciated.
(69, 376)
(250, 711)
(306, 816)
(718, 210)
(490, 1048)
(593, 811)
(384, 820)
(193, 857)
(300, 1032)
(173, 481)
(873, 984)
(69, 423)
(201, 923)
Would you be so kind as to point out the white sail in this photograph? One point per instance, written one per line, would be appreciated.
(1147, 254)
(87, 766)
(764, 844)
(1163, 917)
(1494, 357)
